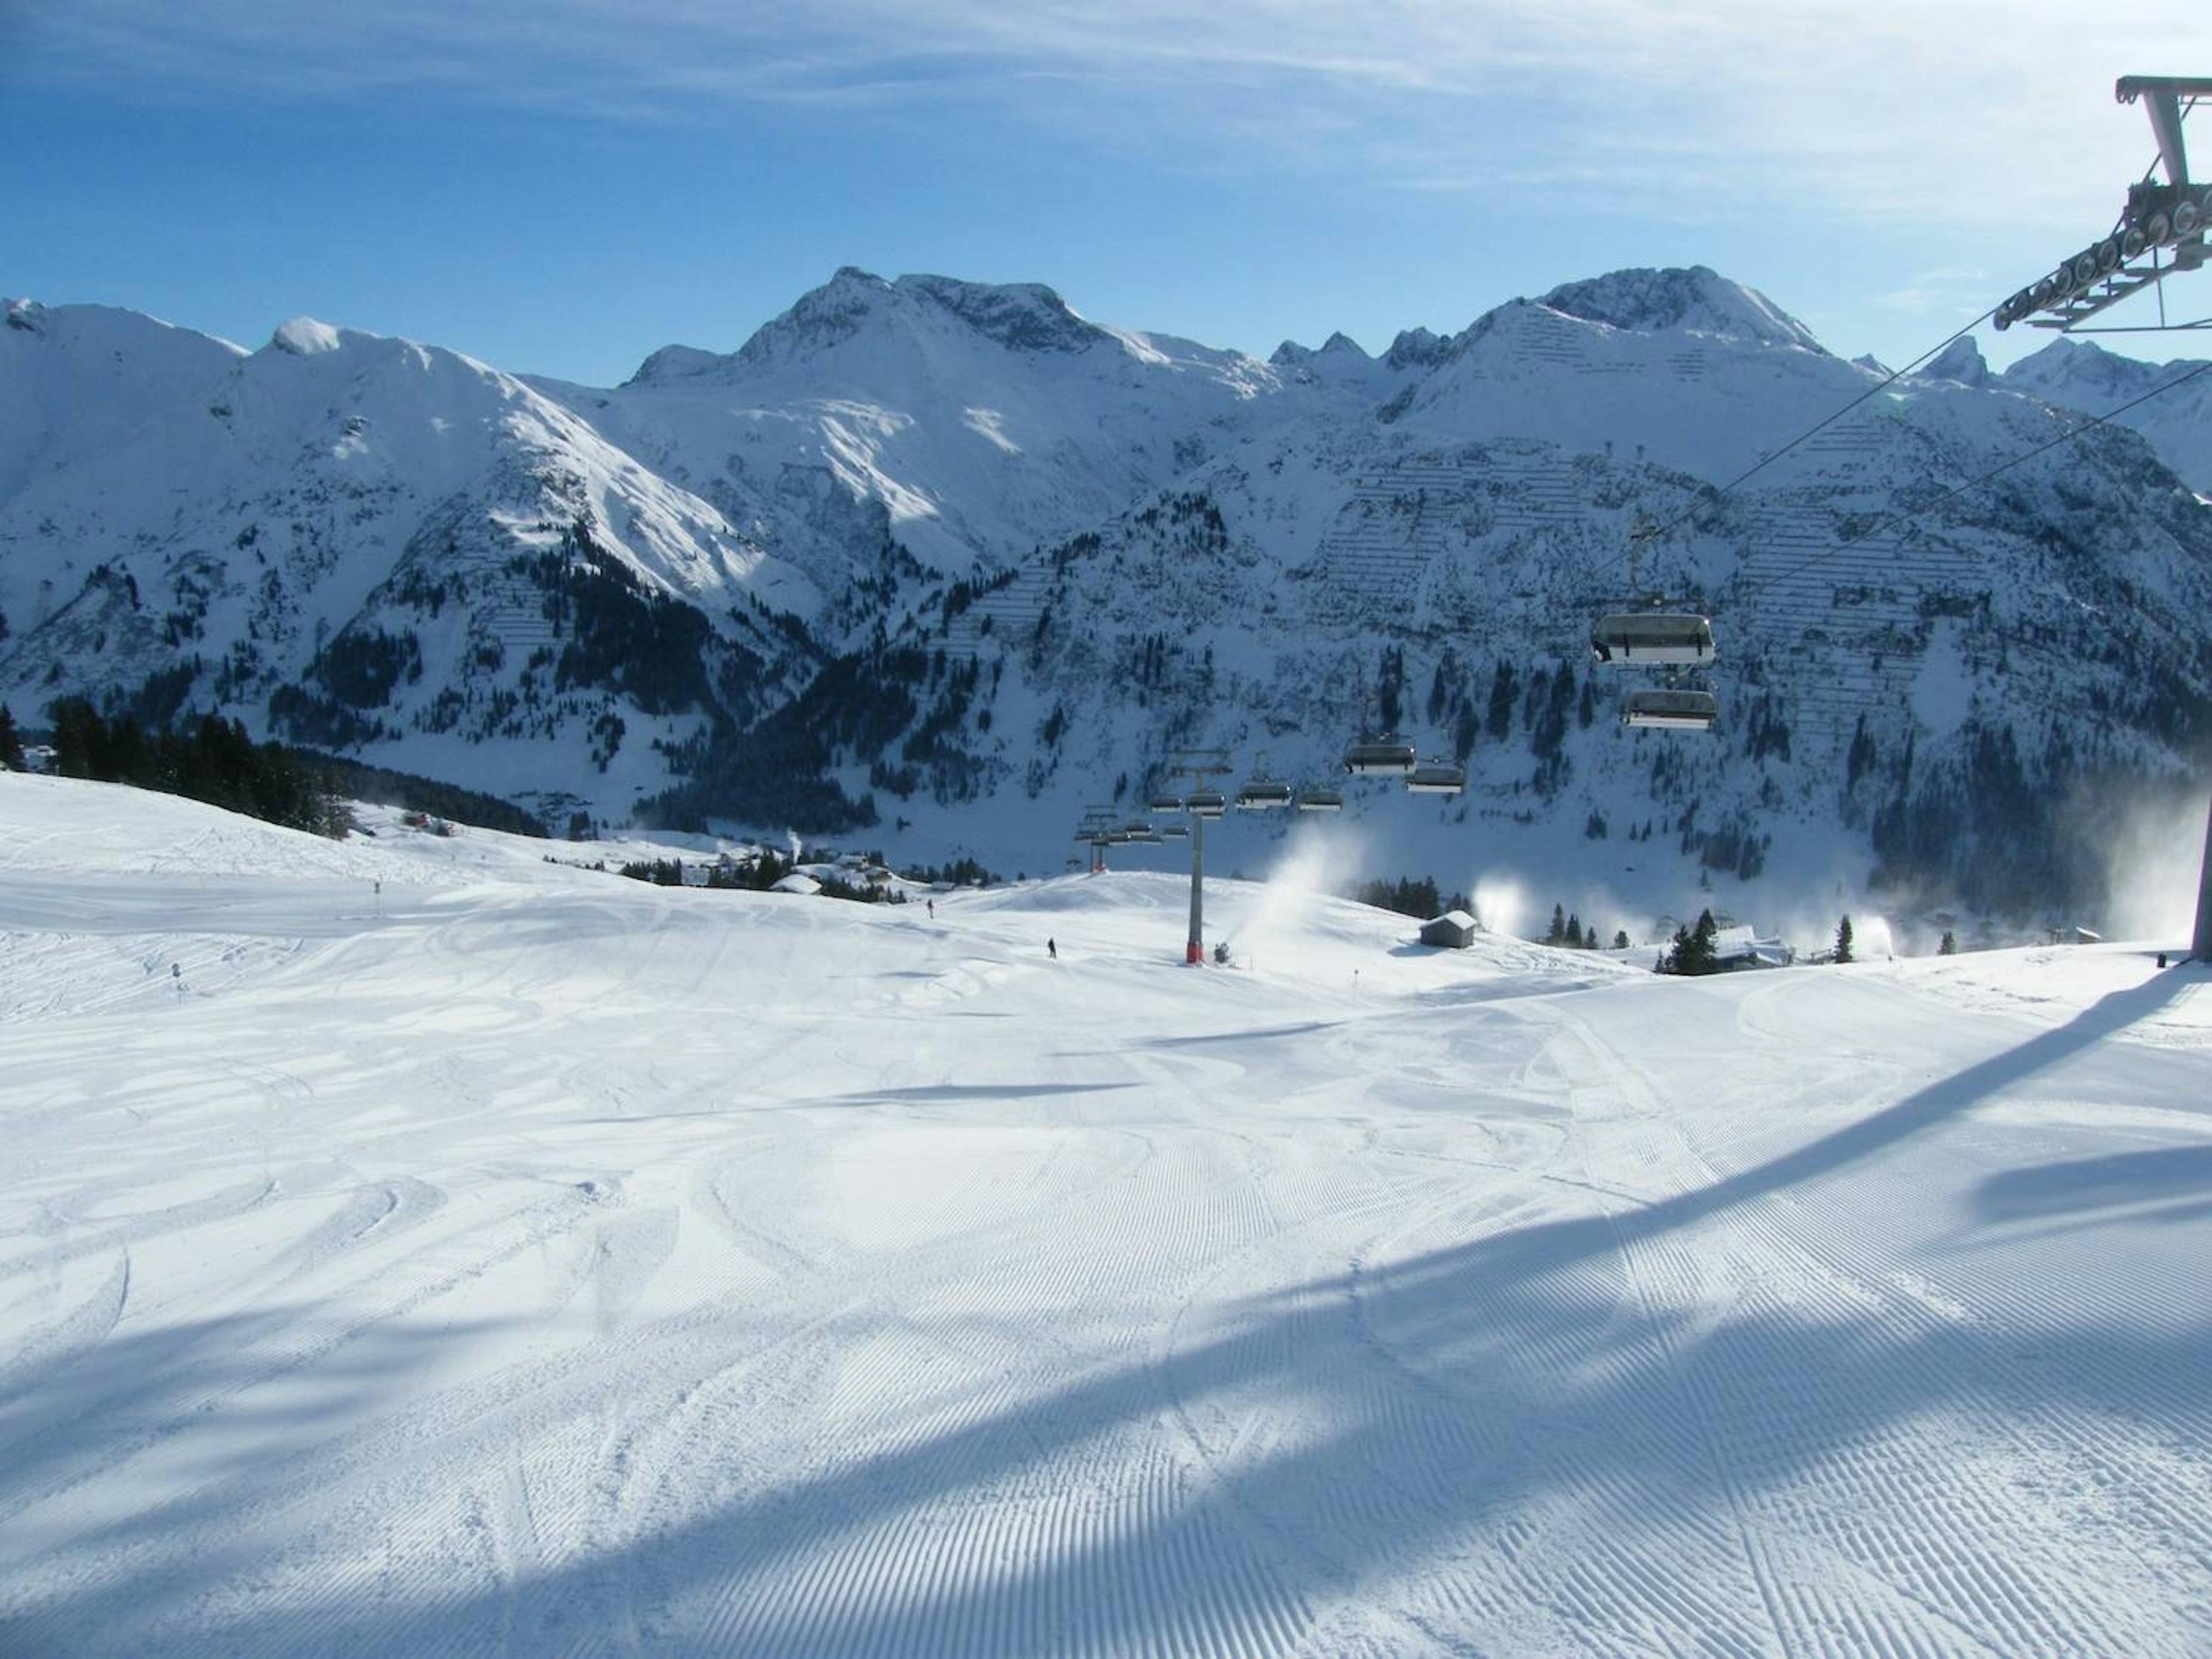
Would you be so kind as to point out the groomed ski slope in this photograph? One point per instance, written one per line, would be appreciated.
(526, 1260)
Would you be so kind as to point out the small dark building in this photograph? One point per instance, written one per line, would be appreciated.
(1454, 930)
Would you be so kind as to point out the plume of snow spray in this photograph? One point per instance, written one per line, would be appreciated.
(2152, 864)
(1317, 858)
(1501, 904)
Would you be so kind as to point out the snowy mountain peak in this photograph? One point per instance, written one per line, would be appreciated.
(675, 362)
(1020, 316)
(1961, 360)
(2082, 375)
(821, 318)
(1026, 317)
(1697, 299)
(2080, 366)
(1291, 354)
(303, 337)
(1416, 348)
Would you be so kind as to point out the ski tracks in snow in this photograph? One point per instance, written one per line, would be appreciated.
(599, 1271)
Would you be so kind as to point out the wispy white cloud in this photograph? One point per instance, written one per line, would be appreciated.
(1968, 111)
(1946, 291)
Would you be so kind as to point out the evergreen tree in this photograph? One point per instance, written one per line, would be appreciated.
(1949, 947)
(1558, 929)
(11, 745)
(1505, 686)
(1575, 933)
(1844, 939)
(1860, 756)
(1621, 940)
(1694, 951)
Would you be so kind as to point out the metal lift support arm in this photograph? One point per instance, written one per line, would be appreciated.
(2163, 94)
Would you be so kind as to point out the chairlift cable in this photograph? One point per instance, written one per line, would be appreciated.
(1638, 537)
(2065, 437)
(1704, 501)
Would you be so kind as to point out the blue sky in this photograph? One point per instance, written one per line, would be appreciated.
(561, 186)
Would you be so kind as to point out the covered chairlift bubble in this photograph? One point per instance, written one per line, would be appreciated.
(1660, 639)
(1135, 830)
(1263, 794)
(1205, 804)
(1389, 756)
(1175, 832)
(1435, 778)
(1320, 798)
(1166, 803)
(1670, 707)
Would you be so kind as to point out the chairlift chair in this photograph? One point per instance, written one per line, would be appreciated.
(1263, 794)
(1389, 755)
(1206, 804)
(1660, 639)
(1435, 778)
(1668, 707)
(1320, 798)
(1167, 803)
(1175, 832)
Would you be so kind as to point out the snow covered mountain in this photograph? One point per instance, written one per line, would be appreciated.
(355, 537)
(2082, 374)
(941, 562)
(970, 422)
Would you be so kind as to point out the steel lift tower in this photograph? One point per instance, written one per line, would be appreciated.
(1197, 765)
(2160, 232)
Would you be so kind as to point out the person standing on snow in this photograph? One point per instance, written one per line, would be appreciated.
(1052, 950)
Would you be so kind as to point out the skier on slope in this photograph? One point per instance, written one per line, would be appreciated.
(1052, 950)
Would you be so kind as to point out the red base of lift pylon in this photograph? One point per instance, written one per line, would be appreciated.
(1193, 954)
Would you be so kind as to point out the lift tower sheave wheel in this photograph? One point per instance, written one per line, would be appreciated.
(2174, 216)
(2161, 229)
